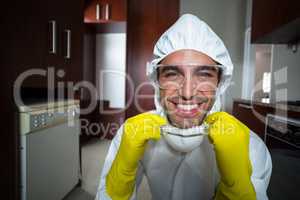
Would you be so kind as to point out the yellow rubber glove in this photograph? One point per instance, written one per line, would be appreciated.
(231, 138)
(137, 131)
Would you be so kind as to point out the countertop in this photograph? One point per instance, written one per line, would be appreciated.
(280, 106)
(47, 105)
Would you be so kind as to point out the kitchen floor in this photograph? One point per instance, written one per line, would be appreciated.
(93, 156)
(285, 178)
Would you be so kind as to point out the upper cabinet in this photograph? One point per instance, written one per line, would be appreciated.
(103, 11)
(65, 39)
(46, 36)
(275, 21)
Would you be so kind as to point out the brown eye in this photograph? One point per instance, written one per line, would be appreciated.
(170, 74)
(204, 74)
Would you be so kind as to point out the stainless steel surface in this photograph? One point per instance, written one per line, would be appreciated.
(53, 36)
(106, 11)
(282, 129)
(39, 106)
(98, 11)
(68, 45)
(49, 152)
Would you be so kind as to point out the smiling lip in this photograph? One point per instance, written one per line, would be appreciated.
(187, 110)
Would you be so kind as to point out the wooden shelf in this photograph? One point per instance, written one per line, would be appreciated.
(111, 27)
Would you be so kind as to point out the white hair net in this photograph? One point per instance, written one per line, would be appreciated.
(189, 32)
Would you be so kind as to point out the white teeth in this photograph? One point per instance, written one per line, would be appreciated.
(186, 107)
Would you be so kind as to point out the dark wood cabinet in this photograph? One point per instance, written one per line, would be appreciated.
(45, 35)
(275, 21)
(253, 114)
(72, 35)
(26, 39)
(105, 11)
(26, 43)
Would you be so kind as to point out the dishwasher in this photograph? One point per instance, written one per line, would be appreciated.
(49, 149)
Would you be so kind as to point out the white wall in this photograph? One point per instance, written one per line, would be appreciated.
(248, 13)
(262, 65)
(248, 77)
(285, 74)
(248, 66)
(227, 19)
(111, 68)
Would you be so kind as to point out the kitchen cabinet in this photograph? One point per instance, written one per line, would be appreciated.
(253, 113)
(275, 21)
(47, 35)
(72, 33)
(26, 41)
(253, 116)
(105, 11)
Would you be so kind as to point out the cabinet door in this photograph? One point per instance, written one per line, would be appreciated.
(118, 9)
(25, 30)
(64, 40)
(252, 115)
(72, 40)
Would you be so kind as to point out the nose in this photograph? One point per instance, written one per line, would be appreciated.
(187, 90)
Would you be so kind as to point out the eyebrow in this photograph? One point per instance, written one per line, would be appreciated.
(171, 67)
(207, 67)
(200, 67)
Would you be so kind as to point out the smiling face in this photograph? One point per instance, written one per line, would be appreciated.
(187, 91)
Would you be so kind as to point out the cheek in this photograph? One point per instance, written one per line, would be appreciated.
(208, 86)
(210, 96)
(164, 94)
(211, 101)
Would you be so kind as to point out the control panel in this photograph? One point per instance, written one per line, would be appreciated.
(35, 120)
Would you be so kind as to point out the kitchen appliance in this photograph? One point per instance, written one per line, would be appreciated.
(282, 132)
(282, 137)
(49, 149)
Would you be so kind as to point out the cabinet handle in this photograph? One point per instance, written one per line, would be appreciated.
(244, 106)
(106, 11)
(97, 11)
(52, 26)
(68, 49)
